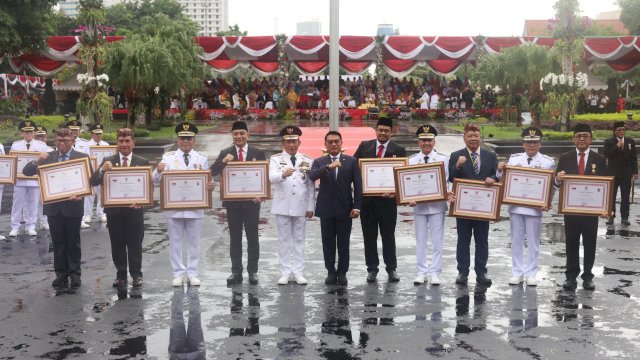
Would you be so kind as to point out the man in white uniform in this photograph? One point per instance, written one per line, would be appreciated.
(429, 215)
(79, 144)
(26, 192)
(184, 225)
(96, 140)
(526, 222)
(293, 203)
(41, 135)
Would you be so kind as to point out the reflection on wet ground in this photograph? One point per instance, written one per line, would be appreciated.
(362, 321)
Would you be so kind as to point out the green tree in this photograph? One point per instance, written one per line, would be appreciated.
(232, 31)
(159, 61)
(128, 16)
(630, 15)
(25, 24)
(63, 25)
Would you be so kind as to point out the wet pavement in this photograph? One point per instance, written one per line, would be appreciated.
(361, 321)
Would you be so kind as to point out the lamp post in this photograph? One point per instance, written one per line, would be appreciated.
(334, 58)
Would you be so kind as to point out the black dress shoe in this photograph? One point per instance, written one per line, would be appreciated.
(75, 281)
(331, 279)
(570, 284)
(588, 285)
(119, 282)
(462, 279)
(393, 276)
(610, 221)
(137, 281)
(253, 278)
(625, 222)
(235, 278)
(483, 279)
(371, 277)
(60, 281)
(342, 280)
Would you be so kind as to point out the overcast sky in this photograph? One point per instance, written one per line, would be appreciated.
(412, 17)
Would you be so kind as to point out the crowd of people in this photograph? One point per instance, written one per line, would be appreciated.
(339, 200)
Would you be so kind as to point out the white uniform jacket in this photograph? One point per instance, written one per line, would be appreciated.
(294, 195)
(539, 161)
(36, 146)
(174, 160)
(436, 206)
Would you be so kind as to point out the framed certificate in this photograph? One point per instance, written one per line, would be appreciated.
(24, 157)
(123, 186)
(525, 186)
(377, 175)
(8, 165)
(185, 190)
(60, 180)
(420, 183)
(101, 152)
(586, 195)
(476, 200)
(245, 180)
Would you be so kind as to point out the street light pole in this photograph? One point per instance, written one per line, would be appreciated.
(334, 58)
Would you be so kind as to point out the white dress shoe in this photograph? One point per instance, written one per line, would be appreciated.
(103, 218)
(299, 279)
(515, 280)
(420, 279)
(32, 232)
(86, 218)
(531, 281)
(194, 281)
(2, 237)
(284, 279)
(84, 225)
(13, 233)
(177, 281)
(435, 280)
(44, 226)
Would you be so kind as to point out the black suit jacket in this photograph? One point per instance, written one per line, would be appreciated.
(621, 162)
(253, 153)
(65, 208)
(367, 149)
(488, 165)
(96, 178)
(336, 197)
(568, 162)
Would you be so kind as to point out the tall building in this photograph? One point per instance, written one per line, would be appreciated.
(312, 27)
(211, 15)
(387, 29)
(69, 7)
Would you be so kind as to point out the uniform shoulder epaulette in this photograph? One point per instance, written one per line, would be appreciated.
(169, 153)
(276, 155)
(202, 153)
(82, 140)
(17, 141)
(517, 154)
(305, 156)
(40, 142)
(547, 157)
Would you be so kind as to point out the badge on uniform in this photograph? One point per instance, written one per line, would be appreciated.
(593, 168)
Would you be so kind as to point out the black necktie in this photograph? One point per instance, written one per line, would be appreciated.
(63, 157)
(529, 161)
(335, 170)
(426, 159)
(28, 146)
(293, 160)
(186, 158)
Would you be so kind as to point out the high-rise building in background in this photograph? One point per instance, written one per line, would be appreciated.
(211, 15)
(312, 27)
(69, 7)
(387, 29)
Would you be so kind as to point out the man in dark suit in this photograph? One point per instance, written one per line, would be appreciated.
(475, 164)
(380, 211)
(581, 161)
(64, 217)
(245, 213)
(336, 206)
(125, 223)
(622, 163)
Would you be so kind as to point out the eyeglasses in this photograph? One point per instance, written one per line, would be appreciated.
(64, 140)
(582, 136)
(337, 141)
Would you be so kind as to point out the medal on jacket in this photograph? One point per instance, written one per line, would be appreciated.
(304, 169)
(593, 168)
(629, 146)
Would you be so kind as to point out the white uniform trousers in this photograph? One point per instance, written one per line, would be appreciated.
(180, 230)
(423, 223)
(291, 232)
(1, 192)
(88, 203)
(42, 218)
(25, 199)
(522, 225)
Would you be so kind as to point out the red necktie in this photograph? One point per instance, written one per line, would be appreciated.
(380, 150)
(581, 164)
(125, 161)
(240, 157)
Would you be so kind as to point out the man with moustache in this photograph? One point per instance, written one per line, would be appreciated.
(380, 211)
(339, 201)
(429, 215)
(622, 163)
(581, 161)
(293, 202)
(125, 223)
(473, 163)
(241, 214)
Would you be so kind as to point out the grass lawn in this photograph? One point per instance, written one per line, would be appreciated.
(512, 132)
